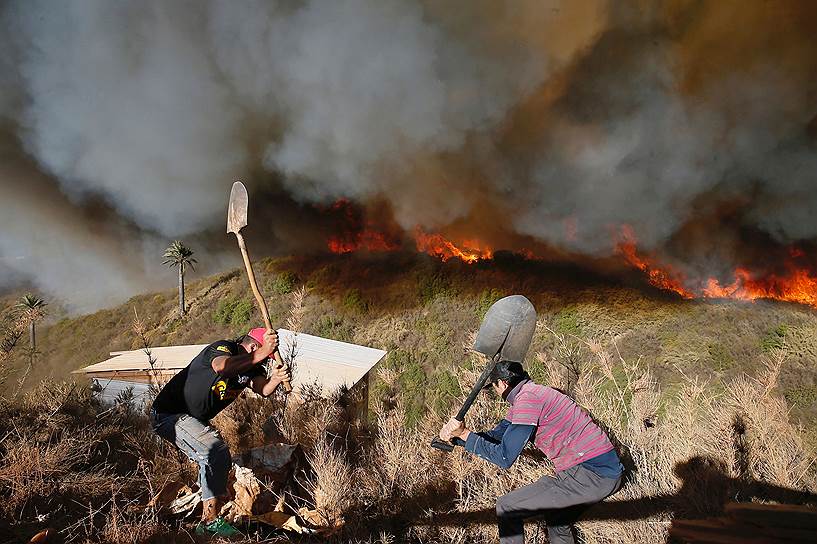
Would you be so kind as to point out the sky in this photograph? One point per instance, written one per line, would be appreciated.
(124, 124)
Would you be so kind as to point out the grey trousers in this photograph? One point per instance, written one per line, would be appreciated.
(560, 501)
(203, 445)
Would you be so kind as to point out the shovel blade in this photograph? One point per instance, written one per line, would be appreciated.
(237, 209)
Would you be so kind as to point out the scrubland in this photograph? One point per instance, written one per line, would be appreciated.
(706, 402)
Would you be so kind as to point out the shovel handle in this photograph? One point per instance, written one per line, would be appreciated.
(442, 445)
(259, 298)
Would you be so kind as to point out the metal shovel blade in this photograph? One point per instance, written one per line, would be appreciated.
(237, 210)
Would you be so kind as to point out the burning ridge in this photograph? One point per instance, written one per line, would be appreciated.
(796, 282)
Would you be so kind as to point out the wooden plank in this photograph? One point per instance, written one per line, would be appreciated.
(751, 523)
(328, 362)
(308, 346)
(134, 377)
(715, 531)
(774, 515)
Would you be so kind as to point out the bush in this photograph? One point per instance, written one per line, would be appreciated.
(320, 278)
(413, 384)
(720, 357)
(445, 391)
(284, 283)
(353, 301)
(804, 396)
(234, 311)
(566, 321)
(775, 338)
(334, 327)
(431, 286)
(486, 298)
(224, 311)
(242, 312)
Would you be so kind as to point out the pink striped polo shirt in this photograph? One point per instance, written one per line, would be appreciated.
(564, 432)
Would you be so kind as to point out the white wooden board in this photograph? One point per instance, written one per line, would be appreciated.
(317, 360)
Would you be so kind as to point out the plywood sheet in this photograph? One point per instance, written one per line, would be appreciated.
(317, 360)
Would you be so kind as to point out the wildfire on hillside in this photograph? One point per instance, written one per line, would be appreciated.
(369, 240)
(435, 244)
(797, 284)
(469, 251)
(355, 234)
(658, 276)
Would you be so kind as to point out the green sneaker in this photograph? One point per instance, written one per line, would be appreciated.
(217, 527)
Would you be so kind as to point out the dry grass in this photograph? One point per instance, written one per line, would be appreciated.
(689, 451)
(691, 437)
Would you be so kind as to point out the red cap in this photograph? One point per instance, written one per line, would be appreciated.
(257, 334)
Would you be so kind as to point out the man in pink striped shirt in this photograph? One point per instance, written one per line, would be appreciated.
(587, 466)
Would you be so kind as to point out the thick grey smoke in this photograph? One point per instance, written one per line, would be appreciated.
(559, 121)
(45, 240)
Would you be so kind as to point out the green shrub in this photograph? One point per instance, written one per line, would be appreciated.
(802, 396)
(334, 327)
(284, 283)
(445, 391)
(353, 301)
(486, 298)
(775, 338)
(224, 311)
(720, 356)
(431, 286)
(436, 340)
(173, 325)
(413, 383)
(233, 311)
(242, 312)
(395, 359)
(320, 278)
(566, 321)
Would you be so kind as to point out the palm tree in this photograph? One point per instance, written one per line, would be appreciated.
(32, 309)
(178, 254)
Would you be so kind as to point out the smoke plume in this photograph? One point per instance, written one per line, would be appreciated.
(693, 123)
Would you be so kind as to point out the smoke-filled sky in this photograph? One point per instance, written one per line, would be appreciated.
(123, 125)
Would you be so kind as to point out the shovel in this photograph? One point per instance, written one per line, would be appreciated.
(237, 220)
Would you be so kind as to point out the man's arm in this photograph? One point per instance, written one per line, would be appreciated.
(266, 386)
(496, 433)
(504, 452)
(233, 365)
(500, 446)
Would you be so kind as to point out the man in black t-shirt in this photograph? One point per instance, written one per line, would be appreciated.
(183, 409)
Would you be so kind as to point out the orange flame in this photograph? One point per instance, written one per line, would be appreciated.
(356, 233)
(469, 251)
(369, 240)
(798, 286)
(661, 277)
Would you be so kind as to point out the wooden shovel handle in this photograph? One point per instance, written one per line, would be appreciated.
(262, 304)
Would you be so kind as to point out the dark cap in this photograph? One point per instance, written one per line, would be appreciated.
(509, 371)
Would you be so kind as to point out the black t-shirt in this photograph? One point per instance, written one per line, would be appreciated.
(198, 390)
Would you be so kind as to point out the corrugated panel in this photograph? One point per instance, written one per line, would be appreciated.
(111, 391)
(328, 362)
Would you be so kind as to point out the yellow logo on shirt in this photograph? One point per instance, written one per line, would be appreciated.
(220, 389)
(224, 348)
(223, 392)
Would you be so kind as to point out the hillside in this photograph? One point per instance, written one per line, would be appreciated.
(423, 311)
(698, 396)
